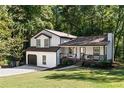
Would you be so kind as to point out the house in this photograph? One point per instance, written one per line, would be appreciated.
(48, 47)
(45, 50)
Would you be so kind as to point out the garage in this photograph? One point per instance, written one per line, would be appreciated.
(32, 59)
(43, 57)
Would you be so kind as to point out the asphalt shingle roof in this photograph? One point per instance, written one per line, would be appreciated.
(87, 41)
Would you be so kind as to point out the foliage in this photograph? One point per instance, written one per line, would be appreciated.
(97, 64)
(20, 23)
(66, 62)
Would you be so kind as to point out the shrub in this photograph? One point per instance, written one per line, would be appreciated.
(5, 63)
(97, 64)
(104, 64)
(1, 63)
(66, 62)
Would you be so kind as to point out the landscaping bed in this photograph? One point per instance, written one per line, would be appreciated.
(97, 64)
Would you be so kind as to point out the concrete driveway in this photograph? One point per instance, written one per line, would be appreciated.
(19, 70)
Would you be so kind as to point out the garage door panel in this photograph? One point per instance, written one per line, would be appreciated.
(32, 59)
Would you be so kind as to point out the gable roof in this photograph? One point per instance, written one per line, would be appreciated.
(87, 41)
(42, 34)
(58, 33)
(61, 34)
(50, 49)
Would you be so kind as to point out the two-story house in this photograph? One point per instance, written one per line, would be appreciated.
(48, 47)
(45, 50)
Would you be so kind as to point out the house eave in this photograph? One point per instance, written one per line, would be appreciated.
(36, 49)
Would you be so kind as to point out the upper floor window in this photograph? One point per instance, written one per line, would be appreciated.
(46, 42)
(96, 50)
(38, 42)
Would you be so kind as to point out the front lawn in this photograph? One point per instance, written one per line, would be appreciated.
(81, 77)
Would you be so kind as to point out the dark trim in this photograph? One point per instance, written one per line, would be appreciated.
(49, 49)
(42, 34)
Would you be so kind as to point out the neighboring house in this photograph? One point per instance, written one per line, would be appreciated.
(48, 47)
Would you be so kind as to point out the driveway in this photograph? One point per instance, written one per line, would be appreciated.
(20, 70)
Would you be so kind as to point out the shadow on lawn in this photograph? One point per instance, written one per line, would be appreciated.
(100, 76)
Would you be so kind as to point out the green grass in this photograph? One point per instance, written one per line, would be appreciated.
(81, 77)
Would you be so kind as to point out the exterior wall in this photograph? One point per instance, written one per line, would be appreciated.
(54, 40)
(58, 57)
(110, 47)
(50, 58)
(33, 42)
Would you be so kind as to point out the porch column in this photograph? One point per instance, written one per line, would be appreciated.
(78, 52)
(75, 51)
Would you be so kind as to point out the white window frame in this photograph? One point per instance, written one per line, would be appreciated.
(38, 42)
(44, 59)
(46, 41)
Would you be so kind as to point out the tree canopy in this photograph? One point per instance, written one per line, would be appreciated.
(19, 23)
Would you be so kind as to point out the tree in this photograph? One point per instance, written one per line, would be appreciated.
(5, 30)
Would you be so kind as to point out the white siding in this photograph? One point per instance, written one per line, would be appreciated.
(33, 42)
(54, 40)
(110, 46)
(50, 58)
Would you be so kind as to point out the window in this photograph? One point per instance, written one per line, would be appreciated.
(38, 42)
(83, 50)
(44, 59)
(96, 50)
(46, 42)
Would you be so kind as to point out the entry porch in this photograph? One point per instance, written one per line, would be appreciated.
(96, 53)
